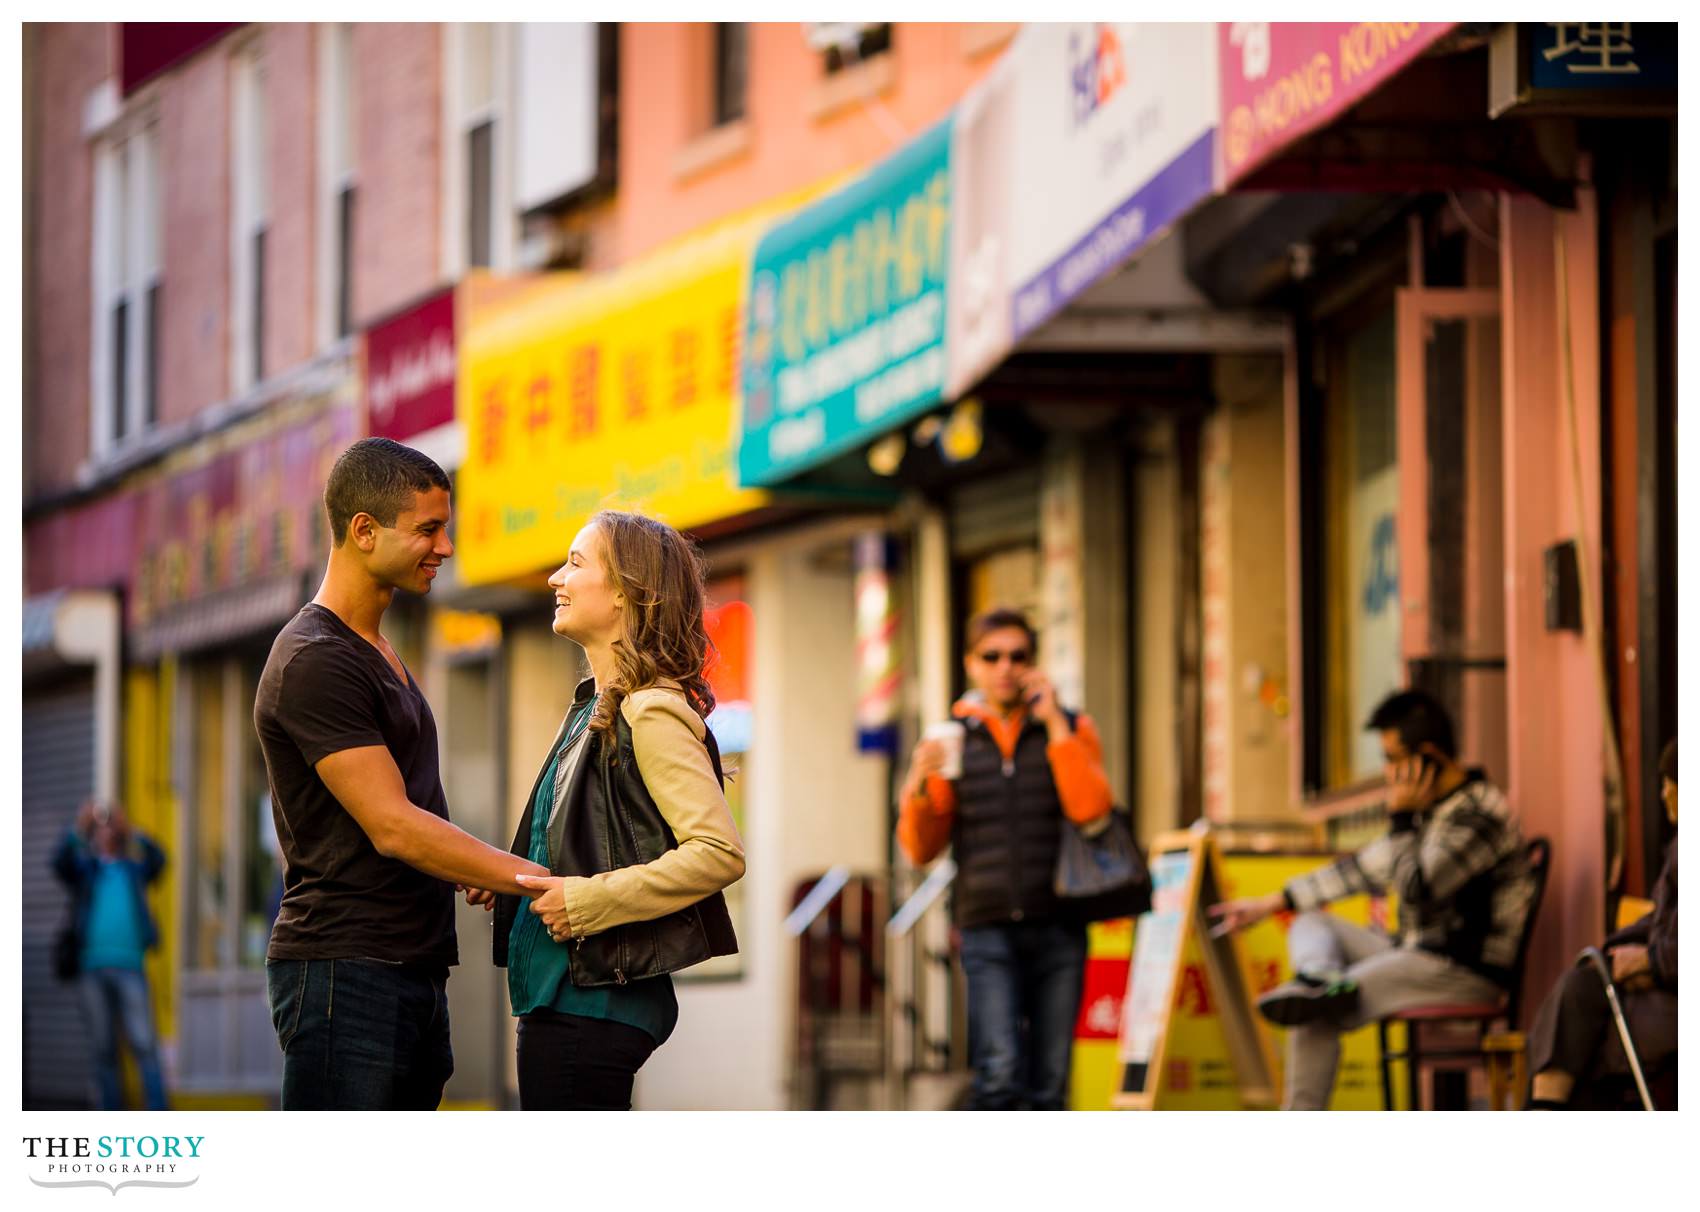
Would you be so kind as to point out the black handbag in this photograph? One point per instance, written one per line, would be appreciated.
(1102, 876)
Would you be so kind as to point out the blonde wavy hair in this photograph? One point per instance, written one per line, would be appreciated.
(662, 633)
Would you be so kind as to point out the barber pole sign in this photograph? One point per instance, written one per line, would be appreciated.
(877, 674)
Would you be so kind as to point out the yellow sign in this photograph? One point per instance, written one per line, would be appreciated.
(619, 392)
(1195, 1052)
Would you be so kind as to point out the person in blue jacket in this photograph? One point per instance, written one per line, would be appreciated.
(108, 866)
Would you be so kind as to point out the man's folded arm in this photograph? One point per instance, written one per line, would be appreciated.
(366, 781)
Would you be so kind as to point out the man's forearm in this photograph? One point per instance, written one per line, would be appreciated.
(437, 847)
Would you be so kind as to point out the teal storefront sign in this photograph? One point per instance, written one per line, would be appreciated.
(846, 329)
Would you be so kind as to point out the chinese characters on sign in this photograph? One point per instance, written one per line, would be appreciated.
(847, 315)
(612, 394)
(252, 512)
(1593, 49)
(1572, 57)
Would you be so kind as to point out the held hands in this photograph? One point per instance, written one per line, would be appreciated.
(478, 896)
(548, 903)
(1230, 916)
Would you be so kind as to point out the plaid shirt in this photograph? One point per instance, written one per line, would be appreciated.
(1460, 873)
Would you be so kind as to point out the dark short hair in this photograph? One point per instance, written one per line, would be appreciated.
(1418, 718)
(996, 619)
(1667, 761)
(379, 477)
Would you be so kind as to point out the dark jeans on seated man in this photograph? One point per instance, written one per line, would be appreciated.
(1024, 983)
(385, 1047)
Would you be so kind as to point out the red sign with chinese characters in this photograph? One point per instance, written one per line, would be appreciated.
(252, 512)
(1283, 79)
(410, 370)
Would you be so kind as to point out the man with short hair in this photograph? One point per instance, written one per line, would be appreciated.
(1027, 766)
(1454, 858)
(370, 858)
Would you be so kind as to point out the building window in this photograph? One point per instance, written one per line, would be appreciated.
(127, 240)
(250, 207)
(478, 222)
(338, 156)
(845, 43)
(731, 70)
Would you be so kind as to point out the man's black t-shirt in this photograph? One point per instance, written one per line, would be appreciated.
(326, 689)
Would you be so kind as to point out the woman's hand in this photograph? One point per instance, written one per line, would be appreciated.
(548, 903)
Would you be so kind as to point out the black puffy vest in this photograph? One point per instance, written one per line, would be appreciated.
(1005, 833)
(613, 822)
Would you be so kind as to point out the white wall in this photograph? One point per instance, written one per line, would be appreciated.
(813, 801)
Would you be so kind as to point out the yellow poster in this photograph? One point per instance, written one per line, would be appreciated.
(1196, 1050)
(592, 393)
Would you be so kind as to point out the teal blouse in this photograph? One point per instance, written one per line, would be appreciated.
(539, 974)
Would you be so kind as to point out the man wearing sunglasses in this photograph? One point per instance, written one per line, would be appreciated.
(1026, 766)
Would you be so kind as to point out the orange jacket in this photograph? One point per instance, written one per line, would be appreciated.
(1077, 765)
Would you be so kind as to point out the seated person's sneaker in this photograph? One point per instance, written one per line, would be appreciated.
(1308, 999)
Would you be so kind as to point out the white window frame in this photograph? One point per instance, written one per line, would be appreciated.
(338, 160)
(126, 264)
(250, 208)
(460, 116)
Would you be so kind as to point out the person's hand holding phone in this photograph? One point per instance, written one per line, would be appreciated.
(1041, 696)
(1410, 784)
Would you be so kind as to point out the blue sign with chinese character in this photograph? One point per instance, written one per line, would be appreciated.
(1626, 56)
(846, 329)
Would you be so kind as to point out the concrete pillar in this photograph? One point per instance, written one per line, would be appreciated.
(1556, 768)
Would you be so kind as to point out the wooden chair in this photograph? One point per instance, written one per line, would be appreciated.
(1501, 1052)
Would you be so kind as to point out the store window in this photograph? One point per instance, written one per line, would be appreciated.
(1359, 593)
(236, 882)
(731, 632)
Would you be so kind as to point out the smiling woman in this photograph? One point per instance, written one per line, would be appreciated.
(638, 855)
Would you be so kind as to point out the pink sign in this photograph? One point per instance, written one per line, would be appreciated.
(89, 546)
(410, 370)
(242, 516)
(1281, 80)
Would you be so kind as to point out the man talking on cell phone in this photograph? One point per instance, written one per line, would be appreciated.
(1456, 861)
(370, 859)
(1026, 764)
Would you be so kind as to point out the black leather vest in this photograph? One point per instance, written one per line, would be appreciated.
(1006, 830)
(613, 822)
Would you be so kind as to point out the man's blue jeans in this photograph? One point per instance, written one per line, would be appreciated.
(116, 999)
(360, 1034)
(1024, 983)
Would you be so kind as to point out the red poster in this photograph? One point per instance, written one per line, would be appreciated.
(410, 370)
(1101, 998)
(1282, 79)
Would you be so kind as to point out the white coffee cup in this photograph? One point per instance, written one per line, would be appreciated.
(948, 733)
